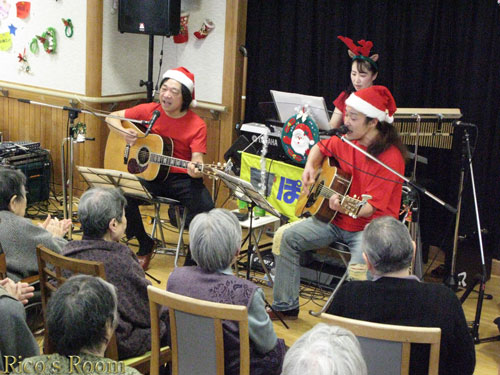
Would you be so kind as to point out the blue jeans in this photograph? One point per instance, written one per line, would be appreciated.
(311, 234)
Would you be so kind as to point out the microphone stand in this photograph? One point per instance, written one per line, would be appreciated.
(67, 171)
(479, 278)
(407, 180)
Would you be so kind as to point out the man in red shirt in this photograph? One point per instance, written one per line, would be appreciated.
(368, 119)
(189, 135)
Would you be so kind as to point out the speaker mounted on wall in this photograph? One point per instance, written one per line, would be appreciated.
(151, 17)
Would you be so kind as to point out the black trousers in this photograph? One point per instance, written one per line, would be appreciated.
(191, 192)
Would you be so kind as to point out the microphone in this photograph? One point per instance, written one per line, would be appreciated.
(338, 131)
(155, 116)
(464, 124)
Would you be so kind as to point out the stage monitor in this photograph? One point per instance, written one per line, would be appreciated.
(152, 17)
(287, 104)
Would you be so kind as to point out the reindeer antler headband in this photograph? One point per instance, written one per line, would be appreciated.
(361, 52)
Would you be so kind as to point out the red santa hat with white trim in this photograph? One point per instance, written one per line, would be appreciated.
(375, 102)
(183, 76)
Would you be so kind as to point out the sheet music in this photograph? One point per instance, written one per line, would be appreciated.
(287, 102)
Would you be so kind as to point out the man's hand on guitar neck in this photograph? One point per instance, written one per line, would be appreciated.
(192, 170)
(334, 203)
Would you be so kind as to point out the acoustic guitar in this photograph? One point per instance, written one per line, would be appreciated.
(149, 158)
(330, 180)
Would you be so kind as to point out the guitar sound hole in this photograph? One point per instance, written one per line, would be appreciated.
(143, 155)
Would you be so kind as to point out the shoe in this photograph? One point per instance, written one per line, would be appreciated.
(285, 314)
(144, 260)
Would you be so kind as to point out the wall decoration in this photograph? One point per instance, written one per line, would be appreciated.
(68, 27)
(4, 8)
(5, 41)
(205, 29)
(183, 35)
(34, 46)
(23, 60)
(12, 29)
(23, 9)
(49, 40)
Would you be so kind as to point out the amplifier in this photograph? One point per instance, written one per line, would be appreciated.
(18, 148)
(36, 167)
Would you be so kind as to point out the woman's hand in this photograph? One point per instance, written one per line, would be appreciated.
(57, 227)
(20, 291)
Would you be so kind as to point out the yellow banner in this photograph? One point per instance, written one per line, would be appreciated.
(284, 182)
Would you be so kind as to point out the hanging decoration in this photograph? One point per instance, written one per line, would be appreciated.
(299, 135)
(183, 35)
(23, 60)
(68, 27)
(34, 46)
(205, 29)
(23, 9)
(48, 39)
(5, 41)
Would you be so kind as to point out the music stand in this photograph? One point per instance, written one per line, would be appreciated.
(245, 191)
(109, 178)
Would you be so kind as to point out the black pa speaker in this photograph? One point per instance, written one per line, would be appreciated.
(152, 17)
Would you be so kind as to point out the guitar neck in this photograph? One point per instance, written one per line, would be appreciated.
(328, 192)
(168, 160)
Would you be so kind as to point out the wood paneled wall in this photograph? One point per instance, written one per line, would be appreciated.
(21, 121)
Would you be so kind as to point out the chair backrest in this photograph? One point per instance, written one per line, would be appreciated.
(195, 328)
(3, 264)
(51, 268)
(386, 347)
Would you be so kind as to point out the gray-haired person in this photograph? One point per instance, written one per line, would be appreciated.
(215, 241)
(81, 318)
(102, 217)
(396, 297)
(18, 235)
(325, 350)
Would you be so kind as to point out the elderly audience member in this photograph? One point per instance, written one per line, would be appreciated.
(102, 217)
(396, 297)
(18, 235)
(325, 350)
(215, 240)
(16, 339)
(81, 318)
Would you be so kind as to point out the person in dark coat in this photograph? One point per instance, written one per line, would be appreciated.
(102, 216)
(396, 297)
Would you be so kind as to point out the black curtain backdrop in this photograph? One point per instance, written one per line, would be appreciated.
(433, 53)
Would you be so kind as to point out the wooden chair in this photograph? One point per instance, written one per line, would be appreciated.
(51, 267)
(196, 327)
(386, 347)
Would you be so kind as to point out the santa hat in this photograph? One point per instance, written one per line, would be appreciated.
(375, 102)
(183, 76)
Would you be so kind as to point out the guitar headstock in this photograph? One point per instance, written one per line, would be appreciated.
(352, 205)
(209, 169)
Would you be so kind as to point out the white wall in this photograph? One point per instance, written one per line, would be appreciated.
(64, 70)
(125, 56)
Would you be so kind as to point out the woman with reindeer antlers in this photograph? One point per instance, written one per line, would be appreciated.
(364, 71)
